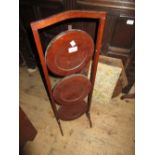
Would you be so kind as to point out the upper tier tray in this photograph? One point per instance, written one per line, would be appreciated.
(69, 52)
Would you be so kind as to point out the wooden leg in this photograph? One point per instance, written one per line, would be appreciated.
(89, 118)
(55, 112)
(60, 127)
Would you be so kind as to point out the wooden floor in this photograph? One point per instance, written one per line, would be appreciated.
(112, 132)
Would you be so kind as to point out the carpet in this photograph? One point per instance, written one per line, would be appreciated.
(106, 80)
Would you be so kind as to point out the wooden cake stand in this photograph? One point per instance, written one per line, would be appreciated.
(65, 56)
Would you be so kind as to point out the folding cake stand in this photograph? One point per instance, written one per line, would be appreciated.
(66, 55)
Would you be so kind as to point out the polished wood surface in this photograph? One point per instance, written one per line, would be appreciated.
(36, 26)
(67, 113)
(68, 58)
(67, 15)
(72, 89)
(117, 4)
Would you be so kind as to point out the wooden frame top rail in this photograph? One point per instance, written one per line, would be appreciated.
(40, 24)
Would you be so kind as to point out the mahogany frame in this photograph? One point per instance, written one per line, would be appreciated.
(37, 25)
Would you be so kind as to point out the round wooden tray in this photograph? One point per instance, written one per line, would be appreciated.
(69, 52)
(71, 89)
(72, 112)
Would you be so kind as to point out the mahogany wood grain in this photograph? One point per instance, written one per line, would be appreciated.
(67, 15)
(96, 57)
(72, 89)
(36, 26)
(65, 61)
(67, 113)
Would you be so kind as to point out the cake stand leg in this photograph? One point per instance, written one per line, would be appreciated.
(60, 127)
(89, 119)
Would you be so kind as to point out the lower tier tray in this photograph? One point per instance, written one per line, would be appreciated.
(71, 90)
(73, 111)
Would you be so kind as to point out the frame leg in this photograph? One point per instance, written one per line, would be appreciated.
(89, 119)
(55, 112)
(59, 124)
